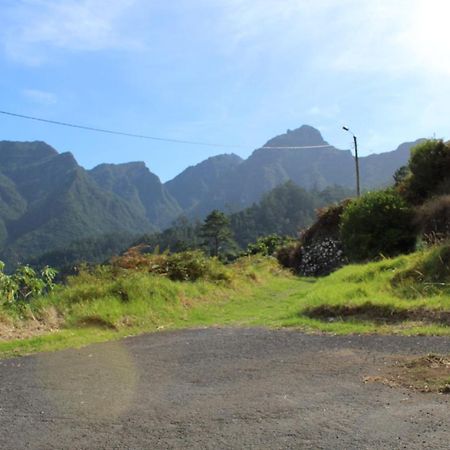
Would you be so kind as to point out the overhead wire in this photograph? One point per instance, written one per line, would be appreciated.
(302, 146)
(116, 132)
(143, 136)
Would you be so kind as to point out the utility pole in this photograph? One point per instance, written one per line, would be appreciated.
(355, 141)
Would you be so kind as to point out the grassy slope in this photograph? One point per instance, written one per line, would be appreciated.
(390, 296)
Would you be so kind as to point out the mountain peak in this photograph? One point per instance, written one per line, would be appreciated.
(303, 136)
(16, 154)
(121, 166)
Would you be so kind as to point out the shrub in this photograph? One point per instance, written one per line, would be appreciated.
(319, 251)
(25, 283)
(400, 175)
(289, 256)
(429, 167)
(379, 223)
(134, 258)
(267, 245)
(182, 266)
(433, 219)
(192, 265)
(326, 225)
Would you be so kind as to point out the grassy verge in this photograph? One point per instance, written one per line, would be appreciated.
(405, 295)
(108, 304)
(408, 294)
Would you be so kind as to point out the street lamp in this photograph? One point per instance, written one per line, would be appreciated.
(358, 193)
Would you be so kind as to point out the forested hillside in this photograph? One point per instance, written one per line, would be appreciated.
(229, 183)
(141, 189)
(49, 203)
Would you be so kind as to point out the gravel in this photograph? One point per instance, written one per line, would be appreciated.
(221, 388)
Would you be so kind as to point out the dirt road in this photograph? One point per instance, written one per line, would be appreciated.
(220, 389)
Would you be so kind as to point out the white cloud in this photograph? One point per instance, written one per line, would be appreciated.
(346, 35)
(38, 96)
(341, 35)
(34, 26)
(392, 37)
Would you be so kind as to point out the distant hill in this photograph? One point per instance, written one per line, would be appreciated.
(285, 210)
(206, 186)
(48, 201)
(233, 184)
(141, 189)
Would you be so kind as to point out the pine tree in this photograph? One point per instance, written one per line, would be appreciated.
(217, 232)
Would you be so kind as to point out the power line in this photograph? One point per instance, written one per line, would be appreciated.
(143, 136)
(120, 133)
(303, 146)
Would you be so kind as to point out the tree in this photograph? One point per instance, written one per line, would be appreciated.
(400, 175)
(378, 223)
(429, 165)
(216, 232)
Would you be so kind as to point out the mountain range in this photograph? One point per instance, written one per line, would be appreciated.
(47, 200)
(231, 183)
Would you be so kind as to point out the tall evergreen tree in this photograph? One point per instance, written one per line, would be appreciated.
(217, 232)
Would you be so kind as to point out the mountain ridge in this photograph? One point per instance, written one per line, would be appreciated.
(310, 166)
(48, 200)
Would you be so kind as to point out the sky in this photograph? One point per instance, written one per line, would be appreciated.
(229, 72)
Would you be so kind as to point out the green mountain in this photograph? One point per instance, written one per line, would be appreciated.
(239, 183)
(48, 200)
(200, 189)
(141, 189)
(285, 210)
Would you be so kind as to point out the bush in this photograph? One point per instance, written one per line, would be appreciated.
(429, 167)
(327, 224)
(182, 266)
(192, 265)
(379, 223)
(25, 283)
(319, 251)
(267, 245)
(433, 219)
(289, 256)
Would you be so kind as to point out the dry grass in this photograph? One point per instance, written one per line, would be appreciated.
(429, 373)
(49, 321)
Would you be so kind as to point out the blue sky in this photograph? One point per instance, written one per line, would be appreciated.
(234, 72)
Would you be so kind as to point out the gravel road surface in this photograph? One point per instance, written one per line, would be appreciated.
(221, 388)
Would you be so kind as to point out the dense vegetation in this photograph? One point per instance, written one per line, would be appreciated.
(228, 183)
(283, 211)
(381, 223)
(48, 203)
(94, 250)
(25, 284)
(408, 294)
(146, 288)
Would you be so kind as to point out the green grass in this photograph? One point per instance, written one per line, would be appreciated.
(408, 294)
(405, 295)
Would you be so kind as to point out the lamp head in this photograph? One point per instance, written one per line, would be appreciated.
(345, 128)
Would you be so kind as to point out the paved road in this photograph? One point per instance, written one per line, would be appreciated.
(220, 389)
